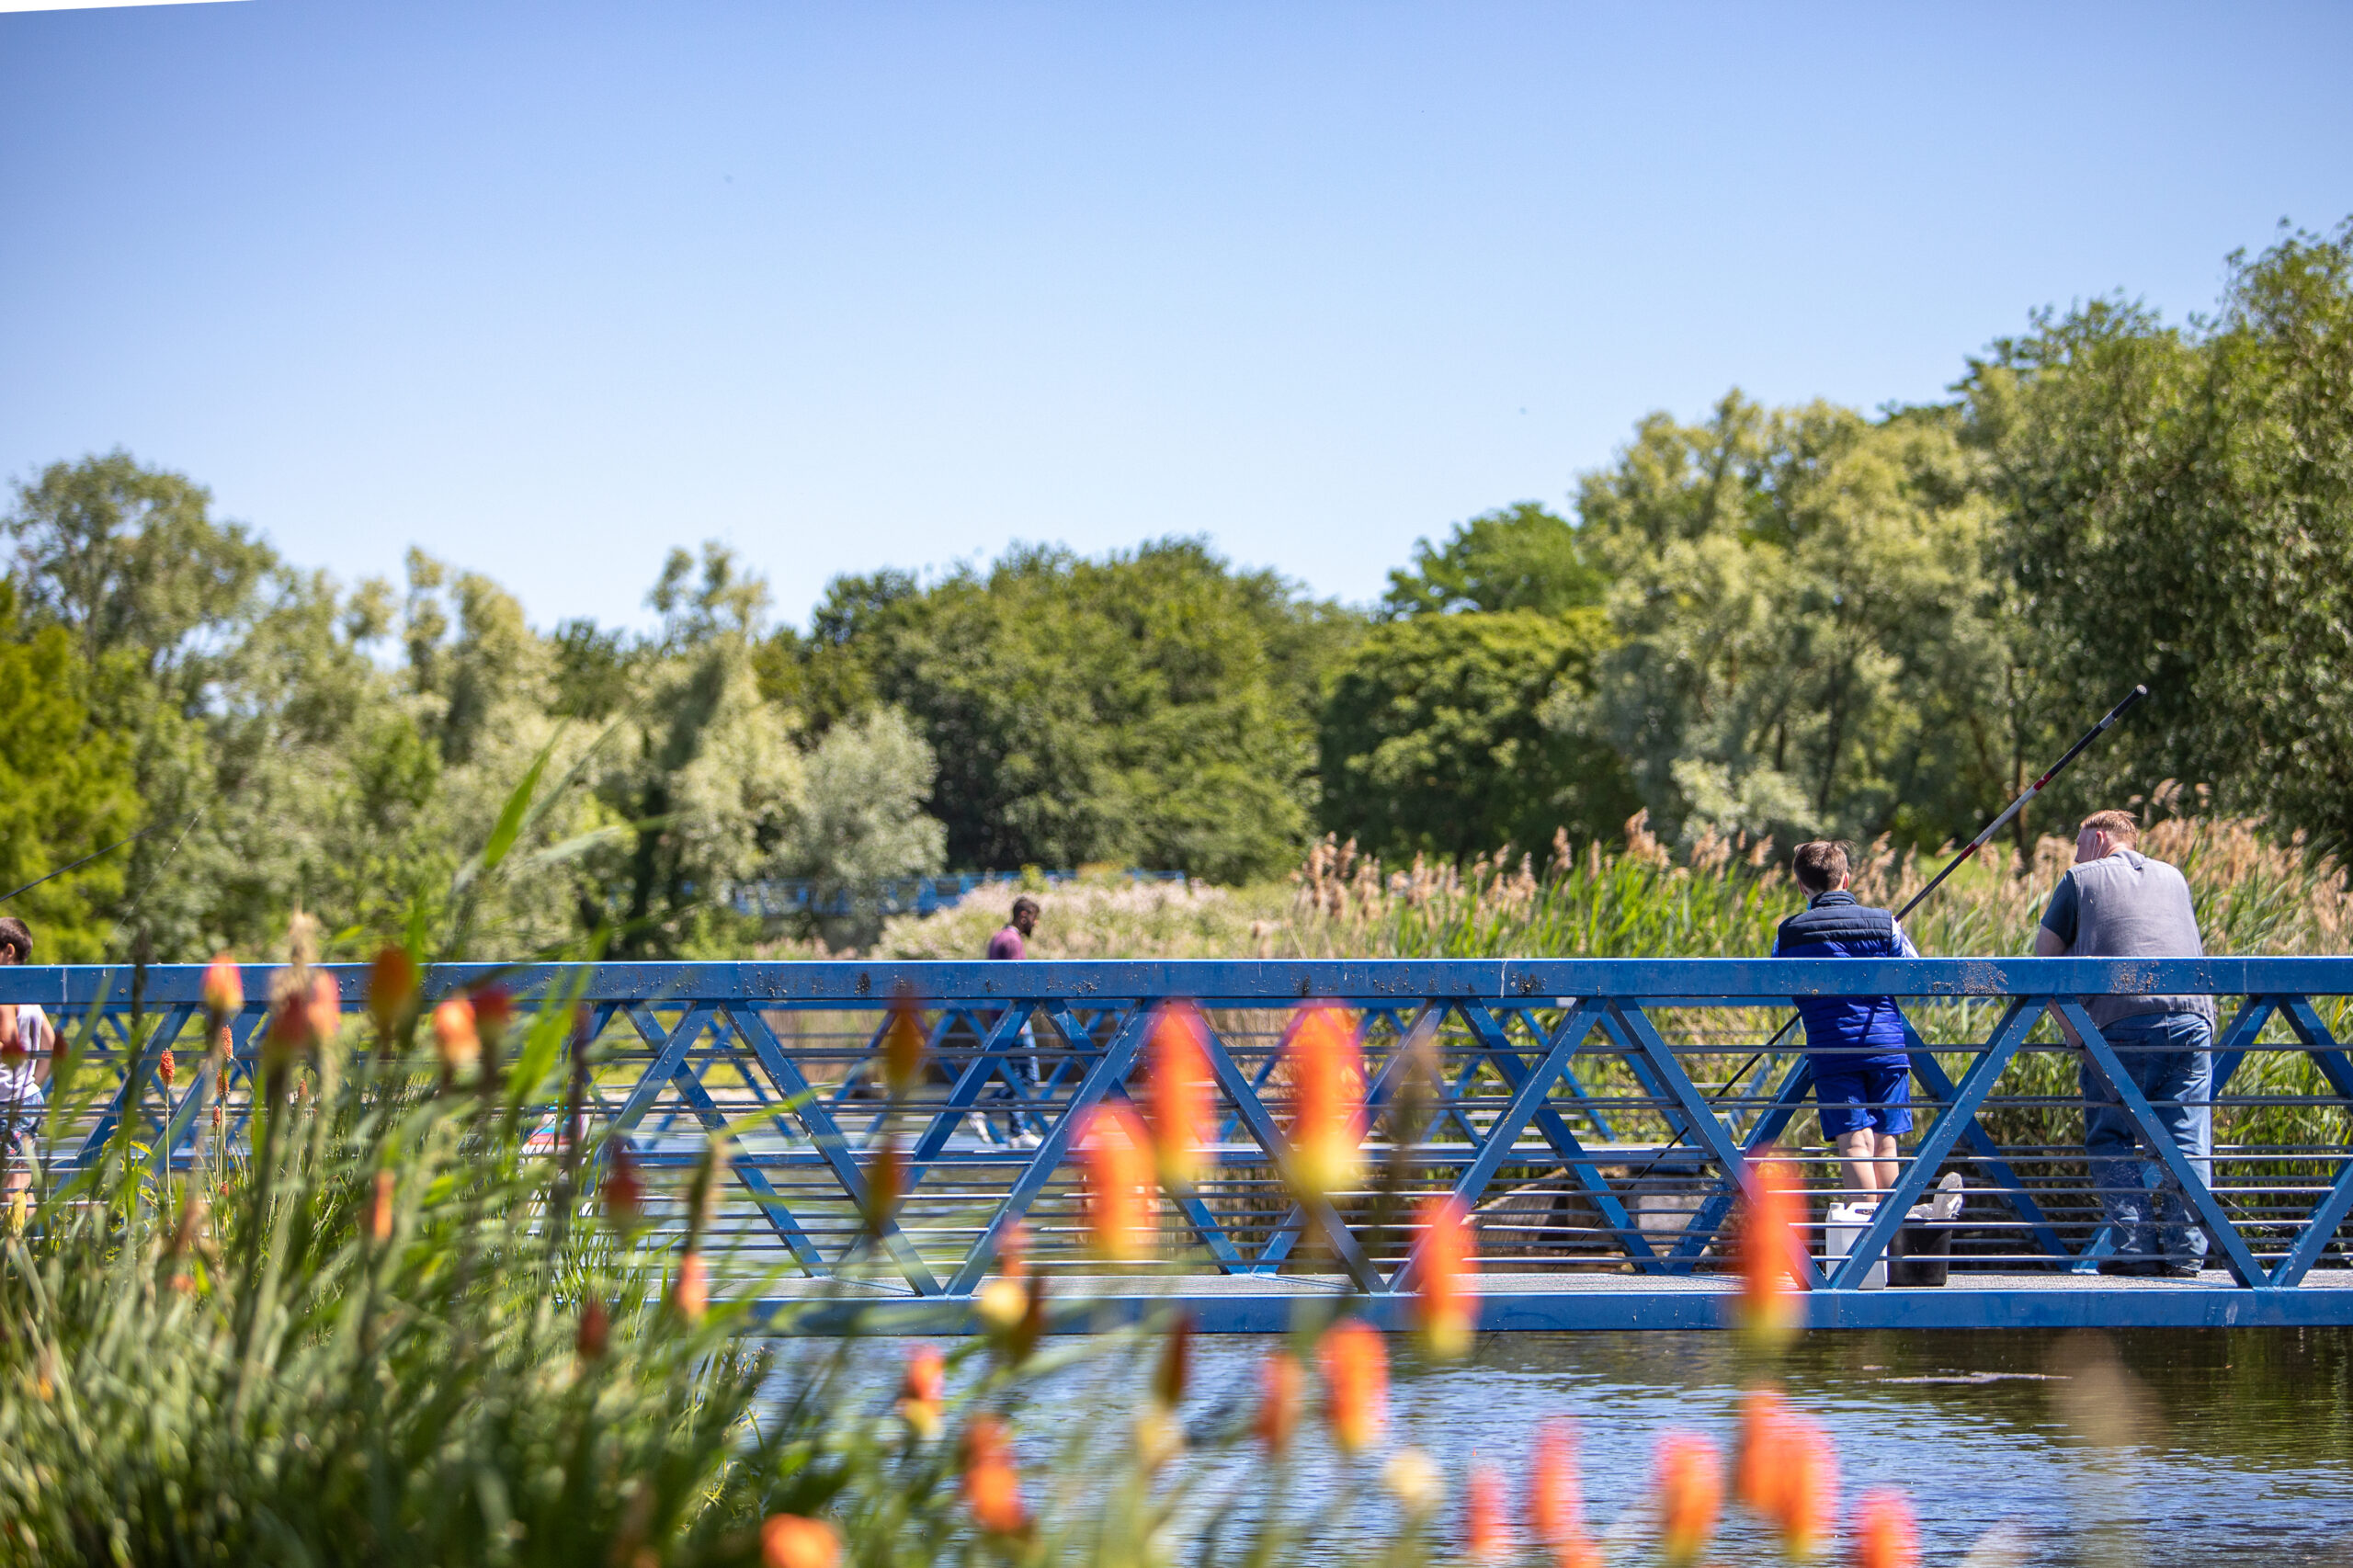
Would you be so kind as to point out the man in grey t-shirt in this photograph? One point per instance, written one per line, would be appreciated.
(2117, 903)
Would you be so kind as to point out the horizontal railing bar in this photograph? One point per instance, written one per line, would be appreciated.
(1517, 982)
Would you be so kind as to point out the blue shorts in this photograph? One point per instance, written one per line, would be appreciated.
(1850, 1095)
(20, 1128)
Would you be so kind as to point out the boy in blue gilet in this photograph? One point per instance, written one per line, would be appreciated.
(1862, 1074)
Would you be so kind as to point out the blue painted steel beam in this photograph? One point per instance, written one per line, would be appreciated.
(718, 1011)
(2108, 1304)
(1364, 982)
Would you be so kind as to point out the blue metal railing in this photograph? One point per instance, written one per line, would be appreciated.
(1585, 1109)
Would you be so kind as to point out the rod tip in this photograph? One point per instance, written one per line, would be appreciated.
(2140, 691)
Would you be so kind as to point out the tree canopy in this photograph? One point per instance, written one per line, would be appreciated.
(1522, 557)
(1792, 621)
(1154, 708)
(2177, 508)
(1436, 737)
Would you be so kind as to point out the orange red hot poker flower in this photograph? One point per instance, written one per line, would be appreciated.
(1355, 1364)
(392, 988)
(690, 1290)
(1117, 1155)
(1282, 1382)
(1691, 1487)
(1184, 1095)
(992, 1484)
(1555, 1500)
(623, 1190)
(787, 1540)
(454, 1037)
(1325, 1063)
(903, 1044)
(224, 989)
(494, 1010)
(305, 1019)
(1446, 1300)
(923, 1390)
(1769, 1245)
(1487, 1528)
(1787, 1472)
(379, 1208)
(1884, 1536)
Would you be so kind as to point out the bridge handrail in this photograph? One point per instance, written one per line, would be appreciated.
(1704, 981)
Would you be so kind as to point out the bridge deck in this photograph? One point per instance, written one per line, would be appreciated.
(1588, 1302)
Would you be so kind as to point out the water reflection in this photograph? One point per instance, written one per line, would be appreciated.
(2140, 1447)
(2153, 1447)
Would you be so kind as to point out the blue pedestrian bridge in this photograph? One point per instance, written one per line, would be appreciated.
(1594, 1116)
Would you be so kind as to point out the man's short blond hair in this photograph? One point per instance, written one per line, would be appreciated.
(2117, 825)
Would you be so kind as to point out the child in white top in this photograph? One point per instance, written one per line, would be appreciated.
(27, 1043)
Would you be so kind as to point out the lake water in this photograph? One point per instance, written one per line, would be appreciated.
(2146, 1447)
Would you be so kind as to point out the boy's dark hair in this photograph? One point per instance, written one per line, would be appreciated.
(15, 934)
(1025, 901)
(1819, 865)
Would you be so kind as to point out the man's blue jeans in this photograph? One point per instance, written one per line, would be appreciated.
(2170, 1057)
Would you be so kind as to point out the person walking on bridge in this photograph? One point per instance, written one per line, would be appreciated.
(2117, 903)
(1862, 1068)
(1011, 944)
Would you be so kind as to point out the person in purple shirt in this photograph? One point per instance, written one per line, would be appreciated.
(1012, 942)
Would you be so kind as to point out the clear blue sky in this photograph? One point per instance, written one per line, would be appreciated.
(549, 289)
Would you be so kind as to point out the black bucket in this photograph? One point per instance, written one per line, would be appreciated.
(1920, 1255)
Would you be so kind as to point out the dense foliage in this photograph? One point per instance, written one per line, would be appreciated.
(2178, 506)
(1155, 707)
(1439, 733)
(1789, 621)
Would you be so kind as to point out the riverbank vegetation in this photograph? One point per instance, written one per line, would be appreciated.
(1721, 898)
(1772, 622)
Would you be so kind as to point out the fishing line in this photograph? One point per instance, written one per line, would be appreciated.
(1983, 837)
(193, 818)
(109, 849)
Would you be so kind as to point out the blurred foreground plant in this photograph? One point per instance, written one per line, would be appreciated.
(414, 1316)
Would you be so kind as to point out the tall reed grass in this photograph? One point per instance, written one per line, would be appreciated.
(1721, 898)
(2255, 894)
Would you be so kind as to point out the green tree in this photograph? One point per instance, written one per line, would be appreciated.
(1521, 557)
(65, 790)
(129, 559)
(861, 821)
(1436, 739)
(1812, 640)
(2179, 508)
(1154, 708)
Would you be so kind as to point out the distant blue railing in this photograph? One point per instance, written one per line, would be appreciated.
(1589, 1111)
(779, 896)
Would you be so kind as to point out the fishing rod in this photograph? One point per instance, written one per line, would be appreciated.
(1983, 837)
(94, 854)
